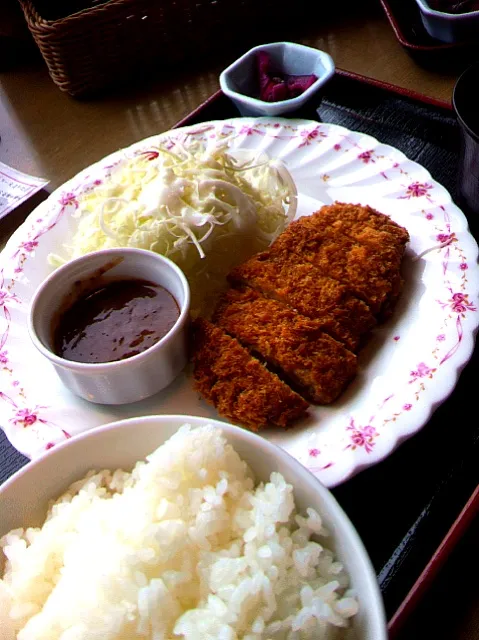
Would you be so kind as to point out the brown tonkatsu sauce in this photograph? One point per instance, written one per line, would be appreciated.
(115, 321)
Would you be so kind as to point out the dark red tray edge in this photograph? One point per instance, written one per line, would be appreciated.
(197, 111)
(407, 43)
(424, 581)
(392, 88)
(471, 508)
(380, 84)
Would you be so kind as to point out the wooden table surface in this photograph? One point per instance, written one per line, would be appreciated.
(49, 134)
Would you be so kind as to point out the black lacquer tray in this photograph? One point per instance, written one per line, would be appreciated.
(409, 508)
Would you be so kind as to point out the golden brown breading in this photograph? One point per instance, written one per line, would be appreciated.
(319, 366)
(363, 224)
(237, 384)
(302, 306)
(386, 250)
(302, 287)
(372, 275)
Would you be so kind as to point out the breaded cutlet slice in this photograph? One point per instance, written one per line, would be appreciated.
(371, 275)
(383, 246)
(309, 359)
(363, 224)
(237, 384)
(300, 286)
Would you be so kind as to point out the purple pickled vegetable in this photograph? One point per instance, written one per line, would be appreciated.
(271, 88)
(298, 84)
(265, 82)
(275, 86)
(274, 90)
(264, 63)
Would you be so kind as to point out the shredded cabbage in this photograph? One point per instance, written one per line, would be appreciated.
(205, 209)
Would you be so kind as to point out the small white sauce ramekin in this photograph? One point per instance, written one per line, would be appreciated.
(133, 378)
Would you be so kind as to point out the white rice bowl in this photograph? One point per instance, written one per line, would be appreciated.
(189, 544)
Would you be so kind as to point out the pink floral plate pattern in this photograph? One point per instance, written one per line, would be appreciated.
(409, 367)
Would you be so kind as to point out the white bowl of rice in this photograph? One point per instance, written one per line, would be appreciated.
(198, 530)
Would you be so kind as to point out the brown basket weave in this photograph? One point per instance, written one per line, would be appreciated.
(96, 47)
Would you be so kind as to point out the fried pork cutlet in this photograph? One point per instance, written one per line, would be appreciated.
(237, 384)
(372, 275)
(328, 222)
(363, 224)
(312, 361)
(300, 286)
(385, 249)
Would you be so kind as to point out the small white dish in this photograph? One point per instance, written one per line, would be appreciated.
(122, 381)
(239, 80)
(24, 498)
(448, 27)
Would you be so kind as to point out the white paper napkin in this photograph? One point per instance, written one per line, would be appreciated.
(16, 187)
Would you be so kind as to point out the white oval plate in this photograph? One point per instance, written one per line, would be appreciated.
(408, 368)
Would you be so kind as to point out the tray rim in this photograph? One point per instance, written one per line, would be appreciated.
(425, 579)
(343, 73)
(396, 89)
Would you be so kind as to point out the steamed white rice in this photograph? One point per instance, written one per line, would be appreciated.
(184, 546)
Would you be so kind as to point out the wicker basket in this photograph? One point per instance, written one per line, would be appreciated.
(97, 47)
